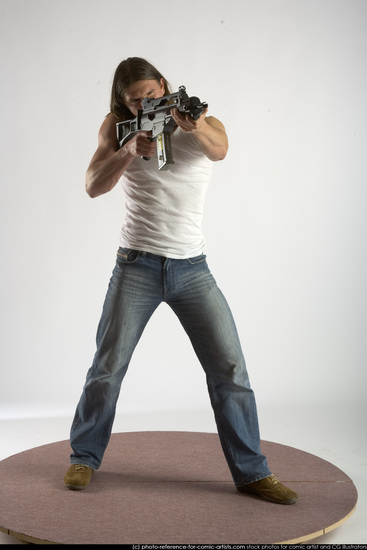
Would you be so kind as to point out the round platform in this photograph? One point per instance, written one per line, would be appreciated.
(168, 488)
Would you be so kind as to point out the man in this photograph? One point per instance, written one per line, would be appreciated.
(161, 259)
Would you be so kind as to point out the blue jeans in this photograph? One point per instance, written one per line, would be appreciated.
(139, 283)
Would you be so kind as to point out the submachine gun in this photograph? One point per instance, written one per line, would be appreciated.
(155, 116)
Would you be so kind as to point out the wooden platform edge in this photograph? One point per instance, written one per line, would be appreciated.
(299, 540)
(305, 538)
(25, 538)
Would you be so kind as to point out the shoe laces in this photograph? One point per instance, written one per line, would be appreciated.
(80, 467)
(273, 480)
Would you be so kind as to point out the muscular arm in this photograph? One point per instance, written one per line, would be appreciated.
(108, 162)
(209, 132)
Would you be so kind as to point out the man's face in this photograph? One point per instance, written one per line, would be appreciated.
(139, 90)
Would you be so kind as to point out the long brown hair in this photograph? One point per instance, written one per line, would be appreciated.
(128, 72)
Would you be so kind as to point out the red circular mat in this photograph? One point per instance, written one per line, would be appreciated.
(168, 488)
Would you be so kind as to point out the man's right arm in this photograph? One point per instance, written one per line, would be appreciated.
(109, 162)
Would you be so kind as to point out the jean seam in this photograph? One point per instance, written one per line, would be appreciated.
(229, 453)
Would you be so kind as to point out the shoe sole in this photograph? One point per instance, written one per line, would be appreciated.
(287, 502)
(76, 487)
(263, 497)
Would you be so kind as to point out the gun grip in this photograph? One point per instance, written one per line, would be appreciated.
(148, 158)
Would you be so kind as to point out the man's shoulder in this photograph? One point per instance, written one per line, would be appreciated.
(107, 131)
(109, 122)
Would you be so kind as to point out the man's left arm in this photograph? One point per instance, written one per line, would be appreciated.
(209, 132)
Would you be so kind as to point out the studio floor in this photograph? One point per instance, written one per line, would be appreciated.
(327, 432)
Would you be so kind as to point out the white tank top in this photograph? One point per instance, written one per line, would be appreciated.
(164, 209)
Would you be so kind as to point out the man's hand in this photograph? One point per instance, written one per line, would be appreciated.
(140, 145)
(109, 162)
(209, 133)
(186, 122)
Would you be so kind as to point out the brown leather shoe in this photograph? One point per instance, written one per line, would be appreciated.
(270, 489)
(78, 476)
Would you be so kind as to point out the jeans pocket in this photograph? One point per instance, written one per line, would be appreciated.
(127, 255)
(197, 259)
